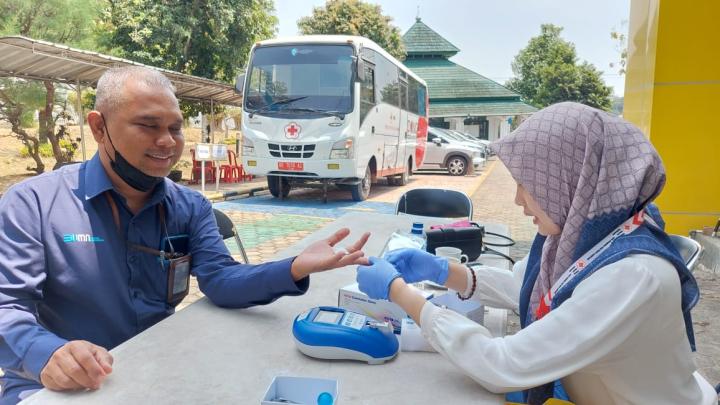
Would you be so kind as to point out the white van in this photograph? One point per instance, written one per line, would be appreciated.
(331, 109)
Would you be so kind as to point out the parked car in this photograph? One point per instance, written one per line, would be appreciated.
(483, 143)
(444, 152)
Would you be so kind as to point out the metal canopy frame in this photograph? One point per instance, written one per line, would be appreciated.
(34, 59)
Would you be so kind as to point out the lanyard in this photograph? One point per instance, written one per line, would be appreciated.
(155, 252)
(627, 227)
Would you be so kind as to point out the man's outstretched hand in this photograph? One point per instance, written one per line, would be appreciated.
(321, 255)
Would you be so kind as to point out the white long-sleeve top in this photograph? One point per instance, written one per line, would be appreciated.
(620, 338)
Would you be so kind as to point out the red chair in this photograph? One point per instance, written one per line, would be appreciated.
(196, 174)
(233, 172)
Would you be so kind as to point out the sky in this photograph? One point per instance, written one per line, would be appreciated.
(490, 33)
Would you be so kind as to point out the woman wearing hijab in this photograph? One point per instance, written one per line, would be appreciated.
(603, 296)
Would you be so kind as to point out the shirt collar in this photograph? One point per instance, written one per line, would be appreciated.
(98, 182)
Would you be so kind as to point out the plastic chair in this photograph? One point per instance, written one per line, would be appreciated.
(689, 249)
(227, 231)
(196, 174)
(435, 202)
(233, 172)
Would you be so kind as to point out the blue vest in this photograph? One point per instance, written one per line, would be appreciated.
(647, 239)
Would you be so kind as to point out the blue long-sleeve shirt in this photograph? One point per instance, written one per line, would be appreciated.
(67, 274)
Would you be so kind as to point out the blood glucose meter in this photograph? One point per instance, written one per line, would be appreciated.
(337, 334)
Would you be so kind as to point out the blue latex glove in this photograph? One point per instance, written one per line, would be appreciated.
(374, 280)
(418, 265)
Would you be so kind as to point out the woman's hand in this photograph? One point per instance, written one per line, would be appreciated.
(375, 279)
(418, 265)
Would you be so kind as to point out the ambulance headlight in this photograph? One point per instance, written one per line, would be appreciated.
(248, 147)
(342, 149)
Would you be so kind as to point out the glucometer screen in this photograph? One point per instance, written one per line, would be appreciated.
(328, 317)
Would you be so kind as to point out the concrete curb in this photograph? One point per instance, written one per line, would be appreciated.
(227, 195)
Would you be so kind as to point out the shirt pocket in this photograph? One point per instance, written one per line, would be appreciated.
(152, 278)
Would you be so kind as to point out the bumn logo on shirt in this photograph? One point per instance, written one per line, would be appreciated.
(81, 237)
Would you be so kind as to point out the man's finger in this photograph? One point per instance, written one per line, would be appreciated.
(338, 236)
(351, 258)
(61, 380)
(362, 261)
(71, 368)
(103, 357)
(359, 243)
(48, 382)
(85, 355)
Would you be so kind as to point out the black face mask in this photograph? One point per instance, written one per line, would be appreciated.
(129, 173)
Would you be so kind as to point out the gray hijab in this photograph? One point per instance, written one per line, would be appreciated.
(584, 167)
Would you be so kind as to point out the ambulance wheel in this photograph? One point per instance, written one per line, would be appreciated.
(404, 178)
(361, 191)
(274, 185)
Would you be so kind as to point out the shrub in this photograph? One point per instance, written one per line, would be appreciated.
(46, 151)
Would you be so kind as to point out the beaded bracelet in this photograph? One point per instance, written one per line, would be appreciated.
(474, 285)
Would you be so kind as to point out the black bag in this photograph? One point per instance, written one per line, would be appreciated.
(468, 239)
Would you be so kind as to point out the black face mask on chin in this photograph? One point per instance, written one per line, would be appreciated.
(127, 172)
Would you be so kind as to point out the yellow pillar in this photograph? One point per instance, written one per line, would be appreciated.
(672, 92)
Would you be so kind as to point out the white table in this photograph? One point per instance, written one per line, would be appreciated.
(207, 354)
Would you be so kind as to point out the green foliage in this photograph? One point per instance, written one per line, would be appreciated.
(28, 94)
(87, 99)
(69, 22)
(547, 72)
(182, 164)
(46, 151)
(207, 39)
(354, 17)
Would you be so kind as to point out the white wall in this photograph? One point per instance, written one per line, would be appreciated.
(498, 127)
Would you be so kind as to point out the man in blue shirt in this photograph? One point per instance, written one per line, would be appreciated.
(80, 248)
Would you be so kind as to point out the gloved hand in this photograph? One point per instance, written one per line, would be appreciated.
(374, 280)
(418, 265)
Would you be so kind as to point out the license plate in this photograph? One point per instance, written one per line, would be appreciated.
(291, 166)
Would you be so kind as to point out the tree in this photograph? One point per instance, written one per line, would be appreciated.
(201, 38)
(354, 17)
(68, 22)
(546, 72)
(17, 99)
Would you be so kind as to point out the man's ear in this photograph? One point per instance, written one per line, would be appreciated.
(97, 125)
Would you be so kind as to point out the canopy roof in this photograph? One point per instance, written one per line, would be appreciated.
(34, 59)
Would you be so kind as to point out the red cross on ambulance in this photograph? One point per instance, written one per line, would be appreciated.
(292, 130)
